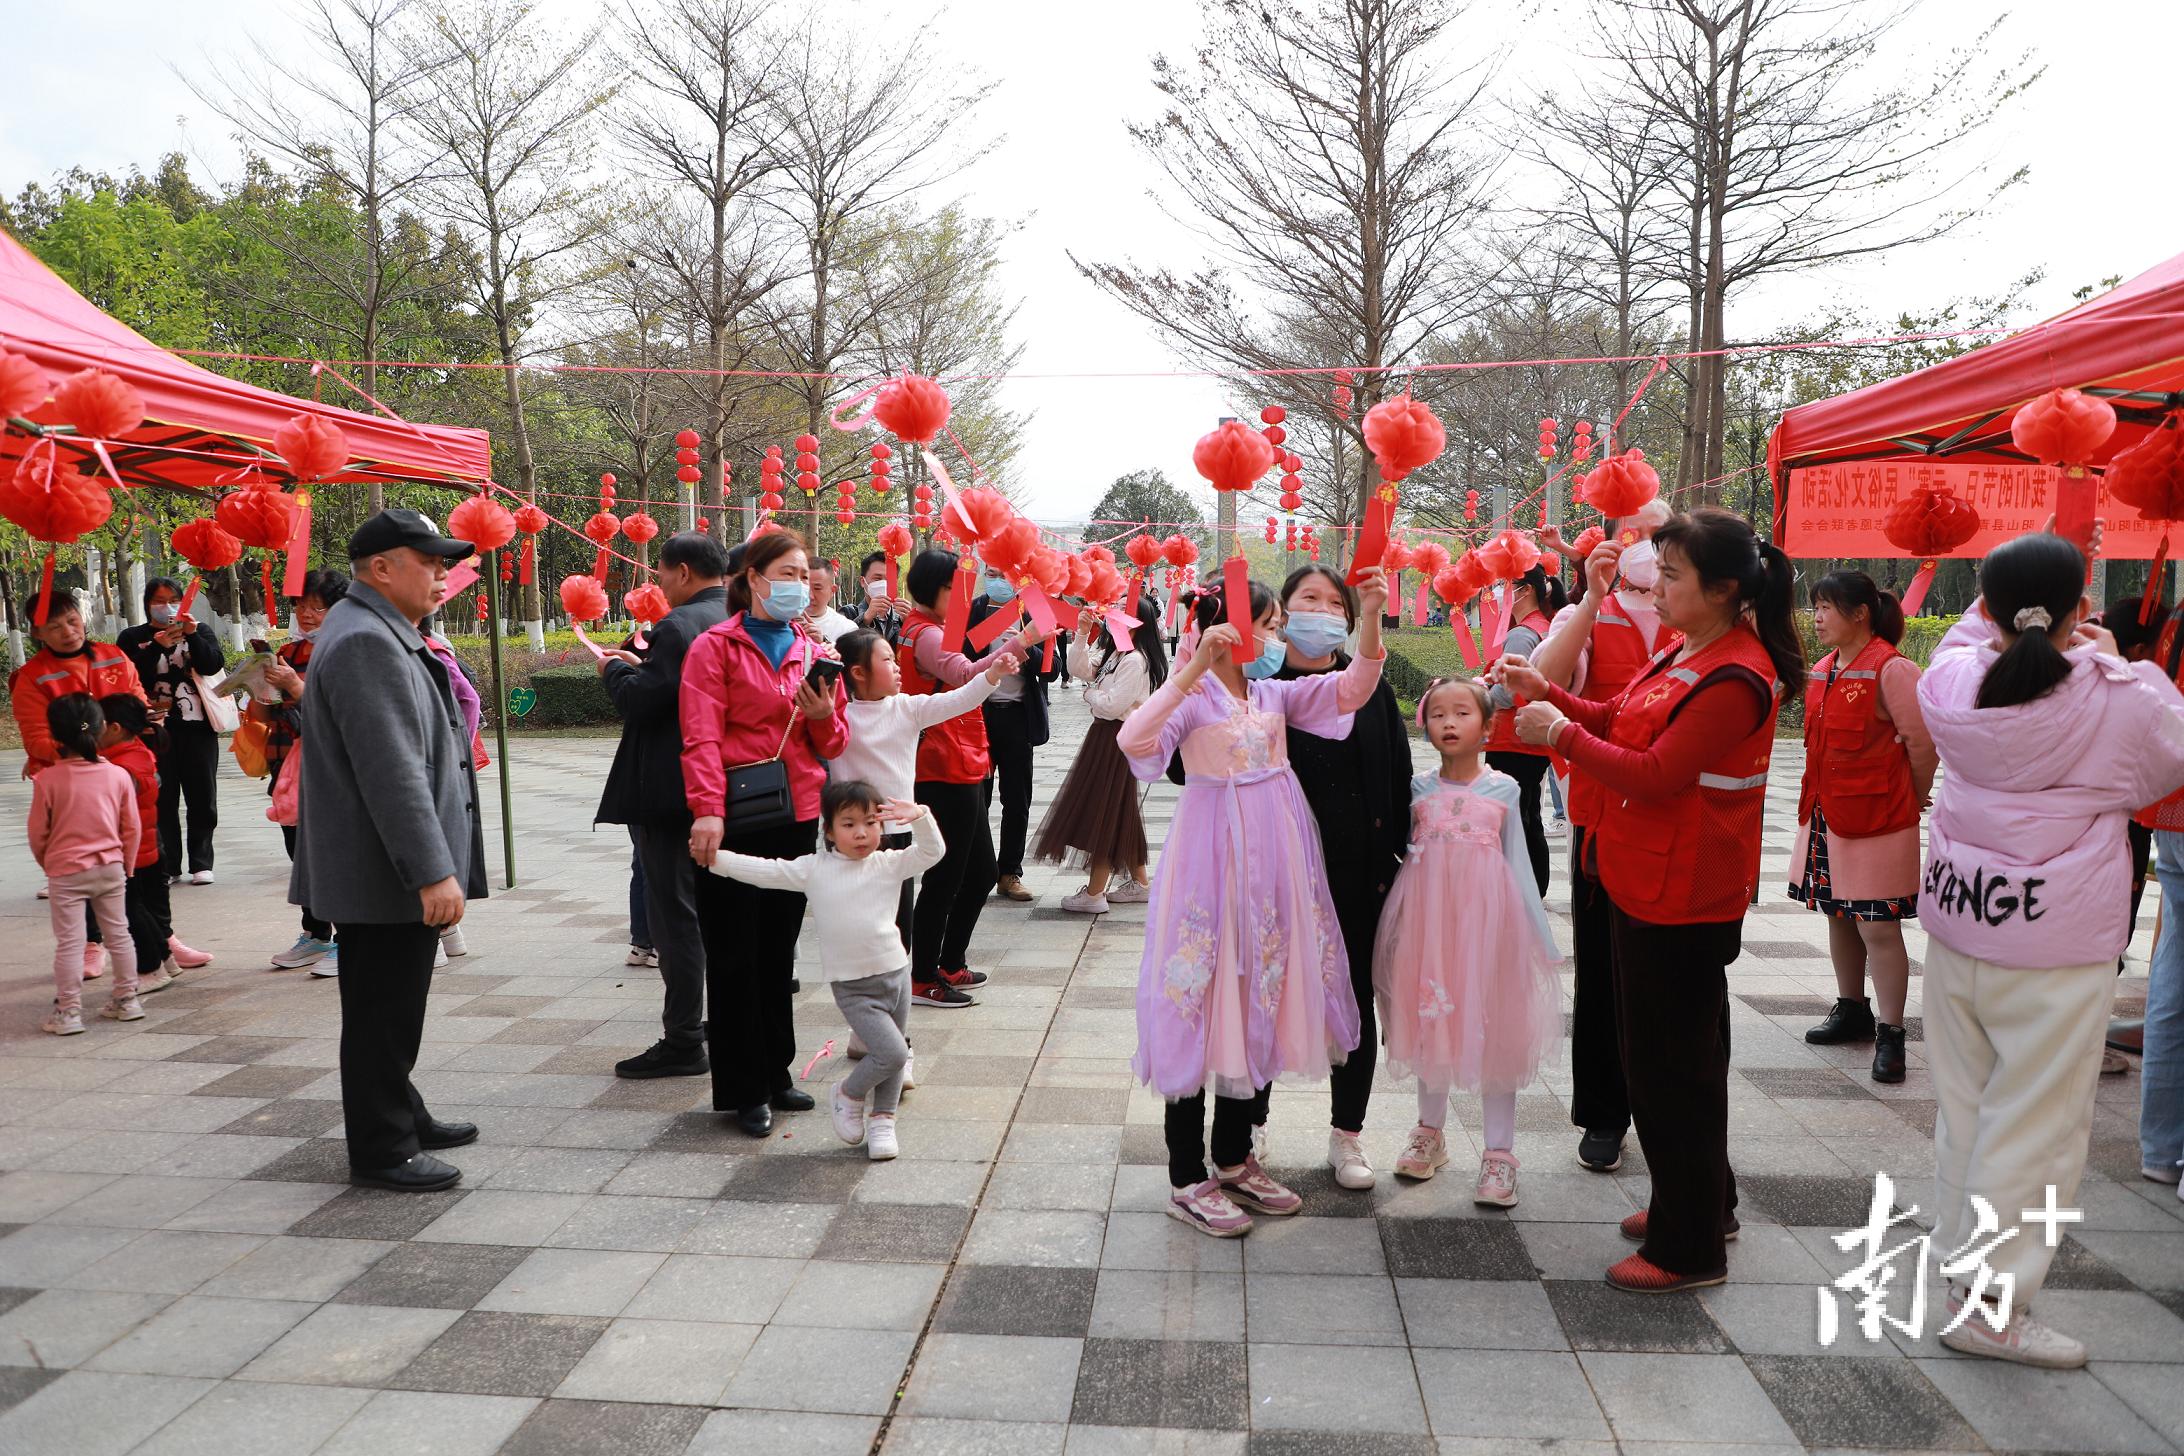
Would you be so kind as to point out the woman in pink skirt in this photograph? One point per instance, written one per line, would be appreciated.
(1244, 977)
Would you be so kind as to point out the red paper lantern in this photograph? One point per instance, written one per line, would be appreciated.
(1471, 505)
(1509, 555)
(1271, 529)
(1403, 435)
(583, 598)
(807, 460)
(807, 444)
(771, 500)
(1009, 550)
(846, 517)
(1396, 556)
(602, 528)
(1587, 541)
(912, 408)
(1233, 456)
(101, 405)
(313, 447)
(607, 481)
(895, 539)
(1080, 576)
(881, 450)
(1620, 484)
(686, 439)
(1180, 550)
(640, 527)
(1275, 435)
(530, 519)
(1930, 522)
(979, 515)
(53, 505)
(1292, 500)
(2063, 426)
(647, 604)
(1273, 414)
(1429, 558)
(205, 546)
(1143, 551)
(1450, 586)
(1475, 574)
(258, 517)
(807, 481)
(2150, 475)
(23, 385)
(922, 491)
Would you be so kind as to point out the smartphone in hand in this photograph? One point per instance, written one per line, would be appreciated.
(825, 672)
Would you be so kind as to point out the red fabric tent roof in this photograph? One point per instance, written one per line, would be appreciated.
(2128, 345)
(200, 428)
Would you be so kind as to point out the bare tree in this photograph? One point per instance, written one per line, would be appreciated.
(1316, 146)
(702, 123)
(1792, 152)
(345, 125)
(511, 105)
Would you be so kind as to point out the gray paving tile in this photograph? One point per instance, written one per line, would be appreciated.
(493, 1353)
(1530, 1394)
(707, 1287)
(805, 1178)
(661, 1361)
(806, 1433)
(45, 1254)
(494, 1216)
(1152, 1441)
(1060, 1238)
(256, 1208)
(201, 1335)
(2040, 1409)
(2152, 1391)
(19, 1383)
(1155, 1241)
(236, 1419)
(260, 1080)
(993, 1378)
(943, 1436)
(1479, 1314)
(164, 1261)
(607, 1221)
(377, 1213)
(1864, 1403)
(1683, 1398)
(1812, 1200)
(297, 1268)
(775, 1230)
(293, 1118)
(1051, 1186)
(845, 1372)
(462, 1425)
(1323, 1309)
(1162, 1304)
(584, 1427)
(354, 1345)
(97, 1413)
(433, 1276)
(894, 1233)
(1597, 1316)
(1334, 1388)
(1455, 1248)
(65, 1327)
(30, 1194)
(573, 1281)
(140, 1201)
(1344, 1443)
(673, 1175)
(319, 1160)
(861, 1296)
(1000, 1299)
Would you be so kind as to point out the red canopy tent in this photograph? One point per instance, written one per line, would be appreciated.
(201, 429)
(1838, 464)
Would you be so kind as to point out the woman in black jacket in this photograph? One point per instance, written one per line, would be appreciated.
(1359, 791)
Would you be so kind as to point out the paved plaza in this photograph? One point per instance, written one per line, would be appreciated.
(183, 1268)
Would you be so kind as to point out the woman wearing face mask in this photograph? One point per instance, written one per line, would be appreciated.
(747, 698)
(314, 947)
(1538, 597)
(1244, 977)
(1358, 788)
(1094, 820)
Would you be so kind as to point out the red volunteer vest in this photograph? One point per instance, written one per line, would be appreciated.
(1693, 859)
(2168, 813)
(1618, 655)
(953, 752)
(1855, 770)
(1502, 738)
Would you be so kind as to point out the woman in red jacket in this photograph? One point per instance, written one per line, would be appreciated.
(746, 700)
(1681, 757)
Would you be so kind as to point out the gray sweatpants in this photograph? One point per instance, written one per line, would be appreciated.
(877, 1009)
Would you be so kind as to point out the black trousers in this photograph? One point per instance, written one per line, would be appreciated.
(314, 927)
(1598, 1098)
(188, 771)
(1357, 910)
(1008, 739)
(671, 915)
(750, 957)
(1674, 985)
(150, 919)
(2142, 854)
(1530, 772)
(1185, 1126)
(953, 892)
(386, 971)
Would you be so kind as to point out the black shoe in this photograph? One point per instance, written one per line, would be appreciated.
(796, 987)
(665, 1059)
(793, 1099)
(437, 1135)
(757, 1119)
(1847, 1020)
(421, 1174)
(1601, 1149)
(940, 993)
(1887, 1053)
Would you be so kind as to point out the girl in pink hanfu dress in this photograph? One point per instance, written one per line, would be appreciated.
(1464, 964)
(1244, 977)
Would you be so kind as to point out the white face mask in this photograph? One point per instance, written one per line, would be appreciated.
(874, 590)
(1640, 565)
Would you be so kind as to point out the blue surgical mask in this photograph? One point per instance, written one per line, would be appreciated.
(162, 612)
(1315, 634)
(1000, 591)
(1273, 652)
(786, 600)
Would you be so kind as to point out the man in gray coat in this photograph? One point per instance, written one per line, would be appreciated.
(388, 841)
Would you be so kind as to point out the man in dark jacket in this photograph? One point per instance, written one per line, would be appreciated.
(645, 791)
(1016, 723)
(388, 842)
(170, 653)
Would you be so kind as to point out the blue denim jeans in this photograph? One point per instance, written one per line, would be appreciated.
(2161, 1078)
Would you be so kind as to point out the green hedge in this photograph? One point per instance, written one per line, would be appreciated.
(568, 696)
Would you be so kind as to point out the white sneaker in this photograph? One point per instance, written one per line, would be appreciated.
(2160, 1173)
(201, 877)
(451, 941)
(639, 956)
(1346, 1155)
(439, 954)
(44, 893)
(849, 1116)
(330, 965)
(909, 1070)
(1497, 1187)
(1083, 904)
(1129, 892)
(307, 949)
(123, 1010)
(62, 1023)
(159, 978)
(879, 1137)
(2023, 1341)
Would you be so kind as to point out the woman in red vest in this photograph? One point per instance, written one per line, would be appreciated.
(1868, 765)
(1681, 758)
(1538, 597)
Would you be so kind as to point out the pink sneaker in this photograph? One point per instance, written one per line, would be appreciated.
(1207, 1207)
(1497, 1180)
(1253, 1189)
(186, 958)
(94, 962)
(1425, 1152)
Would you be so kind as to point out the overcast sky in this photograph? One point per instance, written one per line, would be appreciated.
(97, 87)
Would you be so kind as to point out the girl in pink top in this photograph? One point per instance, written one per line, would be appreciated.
(84, 833)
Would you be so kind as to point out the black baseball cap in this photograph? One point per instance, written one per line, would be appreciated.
(393, 527)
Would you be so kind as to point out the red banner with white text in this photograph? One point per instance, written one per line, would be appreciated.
(1838, 510)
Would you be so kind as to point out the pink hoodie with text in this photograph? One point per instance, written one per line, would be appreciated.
(2027, 864)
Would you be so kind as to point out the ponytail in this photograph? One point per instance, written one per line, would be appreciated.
(76, 723)
(1847, 591)
(1722, 547)
(1772, 617)
(2029, 587)
(133, 716)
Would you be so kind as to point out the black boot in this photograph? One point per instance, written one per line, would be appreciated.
(1848, 1021)
(1887, 1053)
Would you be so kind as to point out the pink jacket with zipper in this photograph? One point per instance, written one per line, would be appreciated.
(735, 705)
(2027, 864)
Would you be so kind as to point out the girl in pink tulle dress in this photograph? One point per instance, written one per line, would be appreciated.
(1464, 964)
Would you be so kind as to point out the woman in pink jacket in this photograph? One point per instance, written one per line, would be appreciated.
(747, 699)
(2048, 741)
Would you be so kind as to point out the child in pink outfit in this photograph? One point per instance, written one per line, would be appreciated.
(84, 833)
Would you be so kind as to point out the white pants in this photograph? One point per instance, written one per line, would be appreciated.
(2015, 1056)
